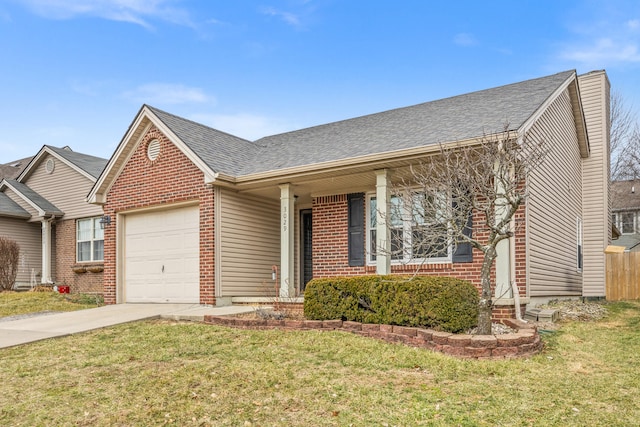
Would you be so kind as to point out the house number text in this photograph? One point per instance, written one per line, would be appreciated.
(285, 218)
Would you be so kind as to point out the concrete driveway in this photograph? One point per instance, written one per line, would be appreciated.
(26, 330)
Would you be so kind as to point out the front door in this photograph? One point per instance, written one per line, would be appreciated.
(306, 245)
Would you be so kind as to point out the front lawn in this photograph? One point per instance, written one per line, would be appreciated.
(15, 303)
(180, 373)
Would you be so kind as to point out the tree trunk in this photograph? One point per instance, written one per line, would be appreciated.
(485, 304)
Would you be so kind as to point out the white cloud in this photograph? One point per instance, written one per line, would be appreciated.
(288, 17)
(245, 125)
(604, 51)
(465, 39)
(139, 12)
(602, 36)
(164, 94)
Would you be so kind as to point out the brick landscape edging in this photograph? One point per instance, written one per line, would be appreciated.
(525, 342)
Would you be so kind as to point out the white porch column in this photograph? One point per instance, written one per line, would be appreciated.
(383, 234)
(46, 251)
(503, 270)
(503, 252)
(286, 240)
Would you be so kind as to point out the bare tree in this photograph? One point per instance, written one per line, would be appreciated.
(625, 140)
(467, 194)
(9, 257)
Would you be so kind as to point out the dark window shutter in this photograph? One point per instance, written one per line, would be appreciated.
(463, 251)
(356, 229)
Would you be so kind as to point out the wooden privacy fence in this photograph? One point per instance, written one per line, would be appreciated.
(623, 276)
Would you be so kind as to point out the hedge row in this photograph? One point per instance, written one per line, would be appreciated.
(443, 303)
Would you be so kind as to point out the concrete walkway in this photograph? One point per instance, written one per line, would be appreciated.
(26, 330)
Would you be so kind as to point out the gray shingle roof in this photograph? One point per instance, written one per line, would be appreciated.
(12, 169)
(446, 120)
(629, 241)
(221, 151)
(451, 119)
(42, 203)
(90, 164)
(625, 195)
(10, 208)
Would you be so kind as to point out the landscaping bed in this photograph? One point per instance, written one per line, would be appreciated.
(521, 343)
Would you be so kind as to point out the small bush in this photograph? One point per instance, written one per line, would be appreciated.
(9, 257)
(443, 303)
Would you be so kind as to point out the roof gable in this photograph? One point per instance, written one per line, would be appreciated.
(84, 164)
(196, 144)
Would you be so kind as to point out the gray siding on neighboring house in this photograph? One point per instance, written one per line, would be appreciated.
(594, 91)
(28, 237)
(64, 187)
(249, 244)
(555, 205)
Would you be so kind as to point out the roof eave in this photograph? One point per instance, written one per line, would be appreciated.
(14, 215)
(372, 160)
(30, 202)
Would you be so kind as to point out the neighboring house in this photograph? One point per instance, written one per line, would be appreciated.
(201, 216)
(44, 209)
(625, 213)
(11, 170)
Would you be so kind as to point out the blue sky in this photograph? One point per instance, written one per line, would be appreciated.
(76, 72)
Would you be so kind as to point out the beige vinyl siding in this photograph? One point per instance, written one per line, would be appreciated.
(594, 91)
(555, 205)
(21, 202)
(28, 237)
(65, 187)
(250, 244)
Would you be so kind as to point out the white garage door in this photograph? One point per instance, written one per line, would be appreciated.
(162, 253)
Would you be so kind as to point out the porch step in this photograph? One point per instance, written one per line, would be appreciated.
(542, 315)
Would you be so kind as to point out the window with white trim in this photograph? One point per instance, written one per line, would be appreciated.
(89, 240)
(579, 243)
(626, 222)
(408, 222)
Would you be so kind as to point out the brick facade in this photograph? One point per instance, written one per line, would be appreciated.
(330, 250)
(170, 178)
(85, 277)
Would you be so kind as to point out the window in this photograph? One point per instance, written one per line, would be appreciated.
(627, 222)
(579, 243)
(90, 240)
(411, 221)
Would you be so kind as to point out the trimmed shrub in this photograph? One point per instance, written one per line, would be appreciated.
(9, 257)
(442, 303)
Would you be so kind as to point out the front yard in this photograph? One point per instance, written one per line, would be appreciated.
(179, 373)
(20, 303)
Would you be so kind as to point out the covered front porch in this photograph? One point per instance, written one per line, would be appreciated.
(326, 227)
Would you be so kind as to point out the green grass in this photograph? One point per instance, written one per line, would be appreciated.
(190, 374)
(13, 303)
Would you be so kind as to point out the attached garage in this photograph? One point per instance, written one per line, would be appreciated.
(161, 256)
